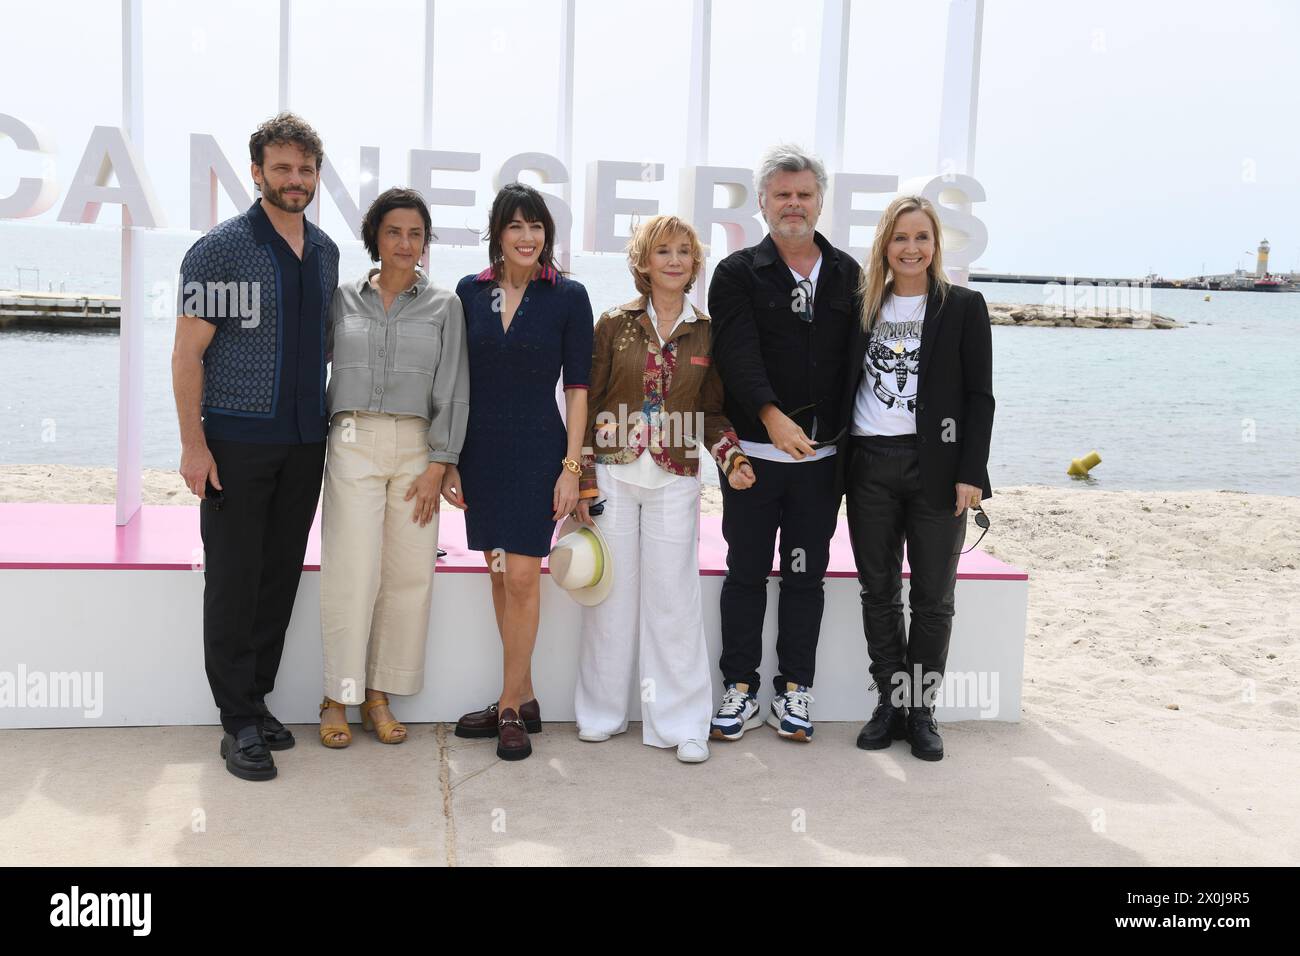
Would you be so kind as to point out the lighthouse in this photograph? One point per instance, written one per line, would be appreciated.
(1261, 260)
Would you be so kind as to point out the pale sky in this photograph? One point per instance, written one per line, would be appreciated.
(1113, 138)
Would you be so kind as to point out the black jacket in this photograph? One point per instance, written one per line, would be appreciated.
(954, 395)
(765, 351)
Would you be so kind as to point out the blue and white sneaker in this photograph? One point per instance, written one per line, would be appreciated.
(790, 713)
(737, 714)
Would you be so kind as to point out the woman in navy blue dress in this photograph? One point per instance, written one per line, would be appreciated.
(527, 325)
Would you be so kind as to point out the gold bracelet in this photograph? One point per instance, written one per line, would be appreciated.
(571, 465)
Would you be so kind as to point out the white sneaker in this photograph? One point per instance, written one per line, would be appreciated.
(737, 713)
(594, 736)
(790, 714)
(692, 751)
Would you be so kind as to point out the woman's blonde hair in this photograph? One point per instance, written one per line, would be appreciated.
(648, 235)
(877, 277)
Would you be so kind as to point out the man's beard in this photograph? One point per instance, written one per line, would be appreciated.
(791, 230)
(277, 198)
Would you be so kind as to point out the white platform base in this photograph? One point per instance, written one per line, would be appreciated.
(125, 648)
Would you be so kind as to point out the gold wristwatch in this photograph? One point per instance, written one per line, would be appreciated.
(571, 465)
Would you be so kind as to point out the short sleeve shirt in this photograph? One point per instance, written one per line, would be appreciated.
(299, 306)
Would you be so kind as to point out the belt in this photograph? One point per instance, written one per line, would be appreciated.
(885, 444)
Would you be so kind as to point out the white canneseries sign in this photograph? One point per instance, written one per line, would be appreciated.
(112, 155)
(109, 155)
(32, 196)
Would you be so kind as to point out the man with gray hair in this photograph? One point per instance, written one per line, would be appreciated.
(783, 313)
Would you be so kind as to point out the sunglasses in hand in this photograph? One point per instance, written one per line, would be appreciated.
(982, 522)
(817, 445)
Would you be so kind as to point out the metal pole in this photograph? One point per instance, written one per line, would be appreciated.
(426, 122)
(961, 90)
(426, 134)
(130, 392)
(961, 87)
(286, 22)
(832, 76)
(564, 119)
(697, 121)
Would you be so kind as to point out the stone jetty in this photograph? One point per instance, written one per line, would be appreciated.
(1042, 316)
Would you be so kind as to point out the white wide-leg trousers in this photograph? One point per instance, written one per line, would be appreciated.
(653, 535)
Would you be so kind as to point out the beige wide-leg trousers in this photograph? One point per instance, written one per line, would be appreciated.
(376, 578)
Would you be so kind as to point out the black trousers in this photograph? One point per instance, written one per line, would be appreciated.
(253, 548)
(799, 500)
(885, 508)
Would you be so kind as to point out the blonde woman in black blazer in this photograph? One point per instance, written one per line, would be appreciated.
(919, 402)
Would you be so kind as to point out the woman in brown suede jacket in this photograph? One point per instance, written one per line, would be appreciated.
(654, 412)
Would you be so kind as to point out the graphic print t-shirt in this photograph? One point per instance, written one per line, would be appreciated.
(886, 399)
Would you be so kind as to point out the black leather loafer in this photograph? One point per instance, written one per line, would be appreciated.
(247, 755)
(483, 723)
(276, 734)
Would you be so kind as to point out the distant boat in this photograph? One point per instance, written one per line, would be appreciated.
(1271, 284)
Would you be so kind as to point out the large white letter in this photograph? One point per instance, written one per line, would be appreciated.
(964, 236)
(332, 182)
(843, 217)
(33, 196)
(109, 153)
(604, 203)
(549, 170)
(209, 166)
(736, 218)
(425, 161)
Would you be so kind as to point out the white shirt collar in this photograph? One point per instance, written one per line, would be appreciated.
(687, 315)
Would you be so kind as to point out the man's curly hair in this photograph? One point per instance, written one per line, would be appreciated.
(286, 128)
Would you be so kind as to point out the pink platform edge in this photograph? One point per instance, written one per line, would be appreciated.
(166, 538)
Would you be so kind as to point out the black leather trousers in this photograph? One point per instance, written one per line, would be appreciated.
(886, 508)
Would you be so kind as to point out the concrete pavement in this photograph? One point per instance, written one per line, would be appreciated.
(1034, 793)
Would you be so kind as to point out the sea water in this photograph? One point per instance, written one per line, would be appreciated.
(1215, 405)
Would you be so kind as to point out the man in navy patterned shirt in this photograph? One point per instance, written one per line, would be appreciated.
(248, 371)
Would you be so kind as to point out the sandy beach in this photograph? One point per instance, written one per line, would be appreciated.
(1160, 671)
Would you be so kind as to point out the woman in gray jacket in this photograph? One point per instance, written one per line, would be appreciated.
(398, 400)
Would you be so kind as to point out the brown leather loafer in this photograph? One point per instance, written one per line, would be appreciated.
(483, 723)
(512, 737)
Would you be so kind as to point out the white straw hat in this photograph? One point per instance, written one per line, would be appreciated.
(581, 563)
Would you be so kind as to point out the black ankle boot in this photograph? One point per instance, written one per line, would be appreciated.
(887, 724)
(923, 734)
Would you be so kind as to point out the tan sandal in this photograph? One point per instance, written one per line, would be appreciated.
(329, 731)
(389, 731)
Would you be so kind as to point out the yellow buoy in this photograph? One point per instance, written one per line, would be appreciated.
(1080, 467)
(1207, 298)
